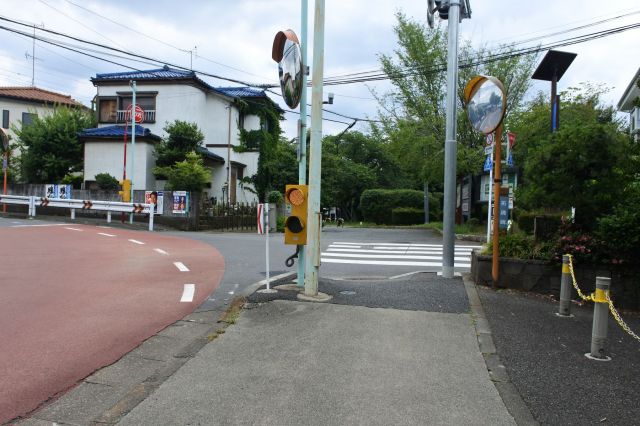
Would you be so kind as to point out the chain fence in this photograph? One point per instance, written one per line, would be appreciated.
(591, 297)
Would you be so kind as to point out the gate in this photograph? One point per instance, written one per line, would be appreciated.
(229, 217)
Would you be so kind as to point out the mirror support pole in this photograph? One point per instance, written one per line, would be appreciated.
(497, 183)
(450, 148)
(302, 136)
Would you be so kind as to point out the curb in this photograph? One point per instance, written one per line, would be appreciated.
(497, 371)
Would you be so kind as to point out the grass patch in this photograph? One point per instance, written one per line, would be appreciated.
(230, 316)
(464, 229)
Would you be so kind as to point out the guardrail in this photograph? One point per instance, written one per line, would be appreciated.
(85, 205)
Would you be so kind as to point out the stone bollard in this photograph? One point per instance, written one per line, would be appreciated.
(600, 320)
(564, 310)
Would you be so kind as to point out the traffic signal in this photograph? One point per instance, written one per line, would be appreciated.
(125, 194)
(295, 225)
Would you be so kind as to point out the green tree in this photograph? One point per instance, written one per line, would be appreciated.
(188, 175)
(182, 138)
(413, 114)
(49, 145)
(107, 182)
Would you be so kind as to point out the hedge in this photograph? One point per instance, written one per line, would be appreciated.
(407, 216)
(377, 204)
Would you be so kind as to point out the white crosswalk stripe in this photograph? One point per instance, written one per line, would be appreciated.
(395, 254)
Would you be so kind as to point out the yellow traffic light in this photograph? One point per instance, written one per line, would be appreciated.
(295, 229)
(125, 194)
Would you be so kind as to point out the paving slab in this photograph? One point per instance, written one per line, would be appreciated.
(287, 362)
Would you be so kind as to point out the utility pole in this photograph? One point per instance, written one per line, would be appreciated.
(302, 128)
(133, 140)
(312, 261)
(450, 148)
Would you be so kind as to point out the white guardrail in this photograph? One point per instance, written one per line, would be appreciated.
(108, 206)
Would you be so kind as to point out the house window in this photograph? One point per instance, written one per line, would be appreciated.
(241, 120)
(27, 118)
(107, 110)
(147, 103)
(264, 124)
(5, 118)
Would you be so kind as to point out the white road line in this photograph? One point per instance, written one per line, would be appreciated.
(391, 262)
(137, 242)
(432, 252)
(105, 234)
(188, 292)
(72, 229)
(344, 246)
(16, 223)
(181, 267)
(406, 275)
(39, 225)
(161, 251)
(387, 256)
(400, 244)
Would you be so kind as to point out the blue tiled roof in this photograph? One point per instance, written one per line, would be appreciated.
(155, 74)
(242, 92)
(116, 132)
(208, 154)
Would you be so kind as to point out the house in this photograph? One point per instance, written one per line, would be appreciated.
(629, 102)
(20, 104)
(165, 95)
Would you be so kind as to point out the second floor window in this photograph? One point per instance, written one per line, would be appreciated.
(27, 118)
(112, 109)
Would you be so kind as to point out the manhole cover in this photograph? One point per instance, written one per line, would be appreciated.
(348, 292)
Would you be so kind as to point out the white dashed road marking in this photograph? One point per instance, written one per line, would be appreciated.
(137, 242)
(72, 229)
(188, 292)
(46, 224)
(105, 234)
(161, 251)
(181, 267)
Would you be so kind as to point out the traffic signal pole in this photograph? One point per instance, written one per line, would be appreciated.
(450, 148)
(312, 261)
(133, 139)
(302, 128)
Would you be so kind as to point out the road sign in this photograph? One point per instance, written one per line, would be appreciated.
(489, 139)
(504, 212)
(488, 164)
(138, 116)
(511, 137)
(510, 160)
(260, 219)
(488, 150)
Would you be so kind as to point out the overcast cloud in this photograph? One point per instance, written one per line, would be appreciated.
(233, 39)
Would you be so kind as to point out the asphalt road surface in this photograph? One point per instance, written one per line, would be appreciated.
(76, 298)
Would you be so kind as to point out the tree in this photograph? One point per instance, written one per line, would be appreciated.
(107, 182)
(49, 145)
(586, 163)
(413, 114)
(188, 175)
(182, 138)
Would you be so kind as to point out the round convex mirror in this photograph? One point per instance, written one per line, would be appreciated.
(486, 105)
(290, 72)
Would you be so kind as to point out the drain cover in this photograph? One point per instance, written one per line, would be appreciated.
(348, 292)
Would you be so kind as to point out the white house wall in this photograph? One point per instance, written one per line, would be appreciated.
(16, 108)
(107, 157)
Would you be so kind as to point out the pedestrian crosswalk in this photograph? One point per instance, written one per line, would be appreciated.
(395, 254)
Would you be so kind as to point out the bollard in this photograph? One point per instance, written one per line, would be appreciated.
(600, 320)
(564, 309)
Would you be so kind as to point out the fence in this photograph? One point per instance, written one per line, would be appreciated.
(228, 217)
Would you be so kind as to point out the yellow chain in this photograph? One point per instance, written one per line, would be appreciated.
(619, 319)
(612, 308)
(575, 283)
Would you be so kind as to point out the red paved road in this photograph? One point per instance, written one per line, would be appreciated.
(74, 301)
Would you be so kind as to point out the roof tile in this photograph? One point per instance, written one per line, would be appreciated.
(35, 94)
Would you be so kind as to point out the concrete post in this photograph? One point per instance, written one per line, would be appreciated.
(302, 131)
(73, 214)
(565, 289)
(600, 320)
(109, 216)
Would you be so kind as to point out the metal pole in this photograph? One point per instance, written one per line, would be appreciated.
(564, 309)
(600, 320)
(497, 182)
(266, 226)
(302, 135)
(312, 262)
(489, 201)
(426, 202)
(5, 166)
(450, 149)
(133, 140)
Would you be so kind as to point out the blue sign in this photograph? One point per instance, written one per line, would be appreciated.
(504, 212)
(510, 160)
(488, 164)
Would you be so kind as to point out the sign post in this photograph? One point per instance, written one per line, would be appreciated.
(263, 228)
(5, 163)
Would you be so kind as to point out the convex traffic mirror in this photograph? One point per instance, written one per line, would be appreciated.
(286, 52)
(486, 103)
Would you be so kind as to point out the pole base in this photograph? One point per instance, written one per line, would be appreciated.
(558, 314)
(288, 287)
(588, 355)
(320, 297)
(455, 274)
(267, 290)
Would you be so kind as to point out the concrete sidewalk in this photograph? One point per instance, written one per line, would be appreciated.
(293, 363)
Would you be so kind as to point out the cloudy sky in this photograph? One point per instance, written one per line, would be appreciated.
(233, 39)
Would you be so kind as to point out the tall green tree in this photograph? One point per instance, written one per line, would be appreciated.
(187, 175)
(413, 113)
(49, 145)
(182, 138)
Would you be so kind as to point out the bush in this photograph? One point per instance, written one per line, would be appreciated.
(473, 222)
(521, 246)
(73, 180)
(407, 216)
(275, 197)
(546, 226)
(621, 230)
(280, 223)
(107, 182)
(525, 221)
(377, 204)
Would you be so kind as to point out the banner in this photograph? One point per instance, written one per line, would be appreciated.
(180, 199)
(58, 191)
(156, 198)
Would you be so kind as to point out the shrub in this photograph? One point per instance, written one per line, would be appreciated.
(377, 204)
(280, 223)
(107, 182)
(521, 246)
(546, 226)
(407, 216)
(621, 230)
(473, 222)
(275, 197)
(525, 221)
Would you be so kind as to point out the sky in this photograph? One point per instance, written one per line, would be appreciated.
(233, 39)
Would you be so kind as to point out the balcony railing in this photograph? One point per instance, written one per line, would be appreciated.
(149, 116)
